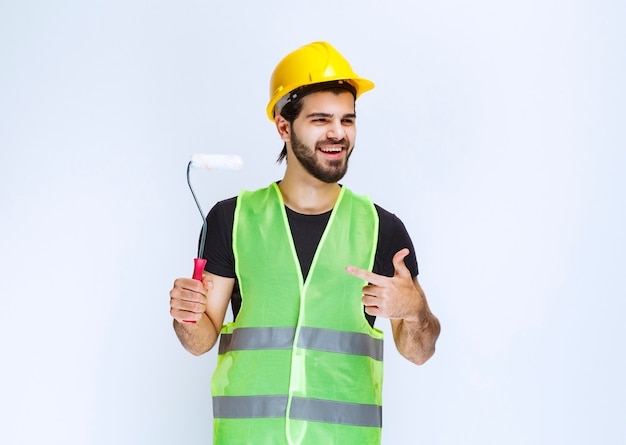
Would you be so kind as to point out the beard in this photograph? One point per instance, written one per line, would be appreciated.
(330, 171)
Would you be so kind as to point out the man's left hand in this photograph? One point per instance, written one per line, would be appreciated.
(390, 297)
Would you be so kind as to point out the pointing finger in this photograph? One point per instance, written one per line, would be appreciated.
(368, 276)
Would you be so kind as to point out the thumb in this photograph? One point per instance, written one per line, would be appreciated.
(398, 263)
(207, 281)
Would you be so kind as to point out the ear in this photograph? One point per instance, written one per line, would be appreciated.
(283, 127)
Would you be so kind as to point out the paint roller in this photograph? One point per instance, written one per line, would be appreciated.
(208, 162)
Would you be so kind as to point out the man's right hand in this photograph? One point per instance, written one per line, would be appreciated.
(188, 298)
(198, 309)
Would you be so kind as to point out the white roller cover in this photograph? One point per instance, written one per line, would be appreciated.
(217, 162)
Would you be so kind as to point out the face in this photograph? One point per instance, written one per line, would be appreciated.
(322, 137)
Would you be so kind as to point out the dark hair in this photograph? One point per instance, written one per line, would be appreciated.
(290, 112)
(292, 109)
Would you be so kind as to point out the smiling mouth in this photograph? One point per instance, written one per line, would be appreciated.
(331, 150)
(331, 147)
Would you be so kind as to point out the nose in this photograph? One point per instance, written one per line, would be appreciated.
(335, 130)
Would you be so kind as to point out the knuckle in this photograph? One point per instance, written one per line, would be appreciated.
(174, 303)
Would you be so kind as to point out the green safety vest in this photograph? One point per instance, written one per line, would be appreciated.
(300, 364)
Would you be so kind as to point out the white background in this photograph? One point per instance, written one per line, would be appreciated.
(495, 131)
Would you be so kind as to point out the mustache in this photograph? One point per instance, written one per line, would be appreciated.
(345, 144)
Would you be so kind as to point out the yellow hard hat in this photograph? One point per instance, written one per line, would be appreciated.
(317, 62)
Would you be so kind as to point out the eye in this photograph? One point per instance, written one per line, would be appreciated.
(320, 120)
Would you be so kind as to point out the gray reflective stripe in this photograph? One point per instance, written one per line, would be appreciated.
(314, 410)
(242, 407)
(339, 341)
(354, 343)
(336, 412)
(257, 338)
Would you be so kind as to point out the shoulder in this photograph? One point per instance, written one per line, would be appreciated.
(392, 237)
(226, 204)
(223, 210)
(388, 220)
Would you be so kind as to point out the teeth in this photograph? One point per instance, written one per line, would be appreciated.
(331, 150)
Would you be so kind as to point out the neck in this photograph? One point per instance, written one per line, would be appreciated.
(310, 197)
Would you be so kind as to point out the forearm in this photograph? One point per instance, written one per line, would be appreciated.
(197, 338)
(417, 330)
(416, 340)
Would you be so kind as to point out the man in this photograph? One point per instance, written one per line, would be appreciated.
(307, 266)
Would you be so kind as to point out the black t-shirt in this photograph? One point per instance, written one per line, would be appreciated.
(306, 231)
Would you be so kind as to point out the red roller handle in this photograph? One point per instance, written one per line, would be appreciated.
(198, 268)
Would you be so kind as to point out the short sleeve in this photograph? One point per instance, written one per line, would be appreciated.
(392, 237)
(218, 250)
